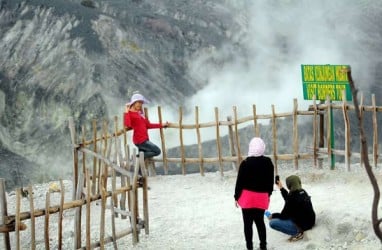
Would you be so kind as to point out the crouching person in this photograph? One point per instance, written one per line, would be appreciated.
(297, 214)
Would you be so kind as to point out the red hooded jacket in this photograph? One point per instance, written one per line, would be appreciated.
(140, 124)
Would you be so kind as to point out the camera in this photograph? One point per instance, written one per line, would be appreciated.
(277, 179)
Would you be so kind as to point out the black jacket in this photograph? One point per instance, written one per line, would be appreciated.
(255, 174)
(298, 207)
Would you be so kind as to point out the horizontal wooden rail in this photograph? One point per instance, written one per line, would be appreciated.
(69, 205)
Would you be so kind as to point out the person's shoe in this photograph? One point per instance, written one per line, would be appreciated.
(296, 237)
(263, 246)
(140, 181)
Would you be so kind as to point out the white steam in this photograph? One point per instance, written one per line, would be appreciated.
(279, 37)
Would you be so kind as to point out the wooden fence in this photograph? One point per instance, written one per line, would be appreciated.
(321, 139)
(91, 192)
(105, 156)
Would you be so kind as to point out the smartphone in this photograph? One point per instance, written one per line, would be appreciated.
(277, 179)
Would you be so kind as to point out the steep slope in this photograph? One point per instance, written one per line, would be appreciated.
(84, 58)
(61, 58)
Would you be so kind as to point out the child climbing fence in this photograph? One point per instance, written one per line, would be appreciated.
(90, 194)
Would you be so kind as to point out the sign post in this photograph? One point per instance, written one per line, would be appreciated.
(326, 80)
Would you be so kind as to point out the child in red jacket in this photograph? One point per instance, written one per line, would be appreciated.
(135, 119)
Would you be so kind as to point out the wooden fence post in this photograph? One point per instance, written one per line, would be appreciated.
(347, 130)
(315, 150)
(47, 217)
(94, 174)
(255, 124)
(182, 154)
(87, 207)
(361, 111)
(321, 142)
(33, 224)
(218, 142)
(328, 130)
(163, 141)
(84, 167)
(231, 142)
(274, 138)
(375, 134)
(4, 213)
(78, 215)
(73, 137)
(237, 136)
(200, 147)
(60, 215)
(295, 134)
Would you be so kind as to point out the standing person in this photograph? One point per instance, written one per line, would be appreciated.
(135, 119)
(254, 186)
(297, 215)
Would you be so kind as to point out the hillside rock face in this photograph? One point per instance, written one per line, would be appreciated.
(69, 58)
(84, 59)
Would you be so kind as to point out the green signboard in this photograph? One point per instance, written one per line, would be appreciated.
(325, 80)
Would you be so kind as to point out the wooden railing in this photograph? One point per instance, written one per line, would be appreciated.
(89, 188)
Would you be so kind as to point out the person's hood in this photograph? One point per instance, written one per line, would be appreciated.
(256, 147)
(293, 183)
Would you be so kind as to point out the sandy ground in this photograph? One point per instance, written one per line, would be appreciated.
(198, 212)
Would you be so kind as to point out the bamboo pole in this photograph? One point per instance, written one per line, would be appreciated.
(274, 138)
(231, 142)
(163, 141)
(17, 212)
(321, 142)
(328, 130)
(109, 239)
(295, 133)
(218, 143)
(4, 213)
(314, 144)
(123, 178)
(95, 160)
(347, 130)
(106, 160)
(78, 214)
(60, 214)
(182, 153)
(240, 157)
(55, 209)
(361, 112)
(114, 199)
(73, 137)
(114, 178)
(375, 134)
(47, 217)
(145, 202)
(200, 146)
(134, 197)
(112, 216)
(102, 163)
(88, 195)
(84, 167)
(102, 223)
(255, 123)
(32, 219)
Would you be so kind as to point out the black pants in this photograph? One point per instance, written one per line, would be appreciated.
(256, 215)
